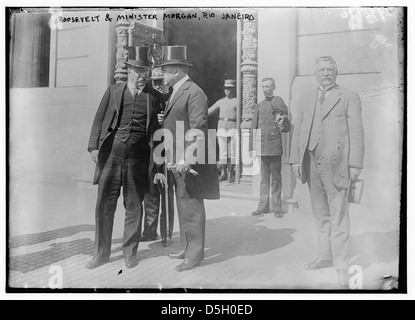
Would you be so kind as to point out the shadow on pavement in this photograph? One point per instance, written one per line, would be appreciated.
(229, 237)
(56, 251)
(35, 238)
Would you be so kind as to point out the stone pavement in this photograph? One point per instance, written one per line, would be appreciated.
(52, 231)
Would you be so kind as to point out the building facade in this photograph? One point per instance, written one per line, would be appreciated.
(61, 62)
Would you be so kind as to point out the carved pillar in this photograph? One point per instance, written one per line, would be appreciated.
(120, 73)
(249, 67)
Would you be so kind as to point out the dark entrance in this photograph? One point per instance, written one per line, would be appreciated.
(211, 48)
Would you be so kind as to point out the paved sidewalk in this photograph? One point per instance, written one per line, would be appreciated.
(51, 240)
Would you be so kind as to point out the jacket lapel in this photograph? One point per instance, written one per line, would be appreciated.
(177, 95)
(309, 109)
(331, 101)
(118, 93)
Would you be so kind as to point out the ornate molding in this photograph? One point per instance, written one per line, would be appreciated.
(130, 33)
(120, 73)
(249, 68)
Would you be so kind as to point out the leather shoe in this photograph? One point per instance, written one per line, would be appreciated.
(318, 264)
(187, 264)
(96, 262)
(257, 213)
(164, 242)
(278, 214)
(179, 255)
(131, 262)
(148, 238)
(343, 278)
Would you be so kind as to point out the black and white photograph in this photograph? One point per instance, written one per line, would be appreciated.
(206, 149)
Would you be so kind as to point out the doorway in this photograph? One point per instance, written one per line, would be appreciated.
(211, 48)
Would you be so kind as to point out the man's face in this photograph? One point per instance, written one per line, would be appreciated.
(227, 92)
(170, 73)
(326, 73)
(138, 76)
(268, 88)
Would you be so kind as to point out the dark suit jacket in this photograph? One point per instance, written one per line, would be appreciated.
(263, 118)
(106, 119)
(189, 107)
(342, 137)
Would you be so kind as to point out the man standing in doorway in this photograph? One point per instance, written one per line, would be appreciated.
(226, 132)
(186, 114)
(271, 116)
(327, 152)
(119, 145)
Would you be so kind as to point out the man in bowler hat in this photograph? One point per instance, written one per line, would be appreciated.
(119, 145)
(196, 179)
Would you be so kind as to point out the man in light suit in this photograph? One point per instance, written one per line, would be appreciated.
(119, 144)
(186, 113)
(327, 152)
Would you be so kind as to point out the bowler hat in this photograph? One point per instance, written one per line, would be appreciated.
(229, 83)
(138, 56)
(174, 55)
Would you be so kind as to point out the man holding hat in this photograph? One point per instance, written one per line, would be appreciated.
(119, 145)
(227, 130)
(186, 117)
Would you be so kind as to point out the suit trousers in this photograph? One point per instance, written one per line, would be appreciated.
(329, 205)
(192, 220)
(126, 167)
(152, 209)
(270, 179)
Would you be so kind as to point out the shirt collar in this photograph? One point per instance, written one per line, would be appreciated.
(179, 83)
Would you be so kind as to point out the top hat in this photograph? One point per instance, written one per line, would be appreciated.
(157, 74)
(138, 57)
(229, 83)
(174, 55)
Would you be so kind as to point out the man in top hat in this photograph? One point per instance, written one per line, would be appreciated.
(186, 116)
(152, 198)
(119, 145)
(226, 133)
(327, 152)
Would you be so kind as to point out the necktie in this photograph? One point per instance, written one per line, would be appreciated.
(322, 96)
(170, 95)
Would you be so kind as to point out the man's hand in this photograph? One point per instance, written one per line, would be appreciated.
(297, 171)
(94, 156)
(354, 173)
(280, 121)
(160, 117)
(183, 167)
(160, 178)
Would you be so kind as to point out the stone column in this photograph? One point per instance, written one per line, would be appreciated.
(249, 67)
(122, 31)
